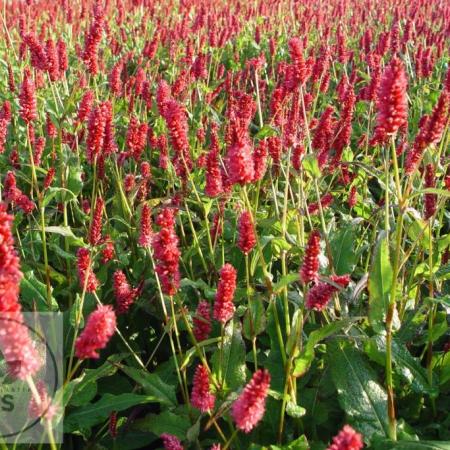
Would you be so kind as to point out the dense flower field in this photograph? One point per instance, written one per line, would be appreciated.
(241, 209)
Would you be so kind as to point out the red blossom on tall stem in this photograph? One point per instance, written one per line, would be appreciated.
(14, 195)
(85, 106)
(96, 134)
(430, 199)
(39, 146)
(202, 321)
(5, 119)
(430, 132)
(16, 345)
(214, 185)
(125, 295)
(63, 62)
(201, 396)
(392, 101)
(344, 125)
(171, 442)
(93, 38)
(310, 267)
(27, 98)
(347, 439)
(44, 409)
(224, 306)
(95, 232)
(249, 408)
(52, 60)
(100, 327)
(175, 116)
(323, 135)
(166, 252)
(320, 294)
(260, 160)
(300, 69)
(239, 159)
(246, 233)
(85, 272)
(146, 232)
(136, 138)
(325, 201)
(49, 177)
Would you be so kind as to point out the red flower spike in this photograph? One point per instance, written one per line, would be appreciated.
(171, 442)
(27, 99)
(85, 270)
(202, 321)
(167, 254)
(16, 346)
(95, 232)
(246, 230)
(201, 396)
(392, 102)
(249, 408)
(224, 306)
(347, 439)
(100, 327)
(310, 267)
(125, 295)
(320, 294)
(430, 199)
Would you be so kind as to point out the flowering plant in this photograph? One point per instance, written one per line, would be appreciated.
(241, 209)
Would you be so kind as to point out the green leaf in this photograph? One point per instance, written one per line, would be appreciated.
(300, 443)
(75, 312)
(33, 292)
(230, 368)
(359, 393)
(311, 165)
(77, 392)
(285, 281)
(294, 410)
(411, 445)
(66, 232)
(95, 413)
(443, 273)
(380, 283)
(303, 362)
(254, 319)
(443, 192)
(342, 246)
(152, 385)
(417, 228)
(191, 352)
(75, 179)
(166, 422)
(266, 131)
(408, 366)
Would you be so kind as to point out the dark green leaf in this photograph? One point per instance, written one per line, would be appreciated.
(359, 393)
(77, 392)
(152, 385)
(408, 366)
(380, 282)
(166, 422)
(285, 281)
(343, 250)
(89, 415)
(230, 368)
(303, 362)
(412, 445)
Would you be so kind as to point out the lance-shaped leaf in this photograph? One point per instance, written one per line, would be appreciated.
(359, 393)
(380, 283)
